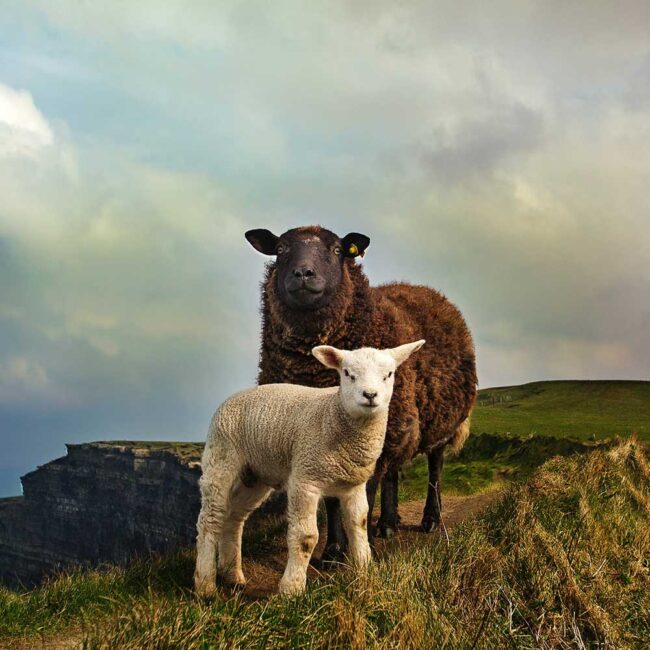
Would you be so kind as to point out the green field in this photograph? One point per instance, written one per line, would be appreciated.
(575, 409)
(517, 428)
(488, 461)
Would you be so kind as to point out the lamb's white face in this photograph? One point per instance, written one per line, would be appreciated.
(367, 375)
(367, 378)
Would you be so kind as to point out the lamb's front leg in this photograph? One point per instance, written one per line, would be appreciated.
(302, 535)
(354, 505)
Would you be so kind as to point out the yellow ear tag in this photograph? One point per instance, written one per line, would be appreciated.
(353, 250)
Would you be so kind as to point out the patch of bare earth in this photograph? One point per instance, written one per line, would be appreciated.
(263, 574)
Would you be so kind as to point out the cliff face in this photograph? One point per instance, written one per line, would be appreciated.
(102, 503)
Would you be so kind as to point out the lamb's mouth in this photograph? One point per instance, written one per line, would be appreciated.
(370, 405)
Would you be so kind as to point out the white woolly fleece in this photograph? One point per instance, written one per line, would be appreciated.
(312, 441)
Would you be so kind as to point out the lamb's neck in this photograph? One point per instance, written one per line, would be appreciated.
(365, 435)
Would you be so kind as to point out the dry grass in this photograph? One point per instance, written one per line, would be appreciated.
(561, 561)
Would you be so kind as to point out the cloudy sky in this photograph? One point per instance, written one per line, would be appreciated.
(499, 152)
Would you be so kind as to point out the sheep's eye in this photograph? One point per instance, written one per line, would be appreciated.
(281, 249)
(337, 250)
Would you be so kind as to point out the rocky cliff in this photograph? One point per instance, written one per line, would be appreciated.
(103, 502)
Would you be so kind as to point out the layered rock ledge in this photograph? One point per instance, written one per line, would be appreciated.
(104, 502)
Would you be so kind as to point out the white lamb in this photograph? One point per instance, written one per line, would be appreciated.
(314, 442)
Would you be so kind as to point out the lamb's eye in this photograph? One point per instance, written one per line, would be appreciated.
(345, 370)
(390, 374)
(352, 377)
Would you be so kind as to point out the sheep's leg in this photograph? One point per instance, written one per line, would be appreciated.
(337, 544)
(302, 536)
(215, 490)
(388, 521)
(433, 507)
(354, 505)
(243, 500)
(371, 492)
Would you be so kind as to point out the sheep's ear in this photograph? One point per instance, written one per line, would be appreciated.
(263, 241)
(328, 356)
(354, 244)
(402, 352)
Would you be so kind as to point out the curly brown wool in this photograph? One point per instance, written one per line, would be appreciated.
(434, 391)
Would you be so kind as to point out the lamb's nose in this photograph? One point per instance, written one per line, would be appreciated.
(369, 396)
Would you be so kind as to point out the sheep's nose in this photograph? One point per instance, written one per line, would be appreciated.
(304, 272)
(368, 395)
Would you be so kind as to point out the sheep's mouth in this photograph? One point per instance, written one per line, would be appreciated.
(305, 291)
(304, 296)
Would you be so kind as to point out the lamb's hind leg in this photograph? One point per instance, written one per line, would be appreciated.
(245, 496)
(215, 487)
(302, 536)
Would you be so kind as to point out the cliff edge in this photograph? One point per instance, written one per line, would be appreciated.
(103, 502)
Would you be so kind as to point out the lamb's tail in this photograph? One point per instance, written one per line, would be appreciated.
(460, 436)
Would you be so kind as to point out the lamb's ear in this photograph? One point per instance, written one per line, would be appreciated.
(263, 240)
(328, 356)
(402, 352)
(354, 244)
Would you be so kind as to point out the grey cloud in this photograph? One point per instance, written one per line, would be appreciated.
(478, 147)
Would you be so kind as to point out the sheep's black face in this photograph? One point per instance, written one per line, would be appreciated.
(309, 262)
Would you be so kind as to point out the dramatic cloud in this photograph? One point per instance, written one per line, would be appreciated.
(23, 130)
(495, 151)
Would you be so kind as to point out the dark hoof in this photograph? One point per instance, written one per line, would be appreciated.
(386, 531)
(332, 557)
(429, 524)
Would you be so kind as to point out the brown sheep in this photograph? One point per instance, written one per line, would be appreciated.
(315, 293)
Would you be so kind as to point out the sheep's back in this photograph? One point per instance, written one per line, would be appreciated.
(445, 384)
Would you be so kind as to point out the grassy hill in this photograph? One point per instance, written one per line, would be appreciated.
(576, 409)
(560, 561)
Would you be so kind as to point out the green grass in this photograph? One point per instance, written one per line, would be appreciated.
(578, 409)
(561, 561)
(487, 461)
(189, 451)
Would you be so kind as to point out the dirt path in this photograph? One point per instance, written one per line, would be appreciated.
(264, 574)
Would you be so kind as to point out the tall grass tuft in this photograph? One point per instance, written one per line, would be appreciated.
(562, 561)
